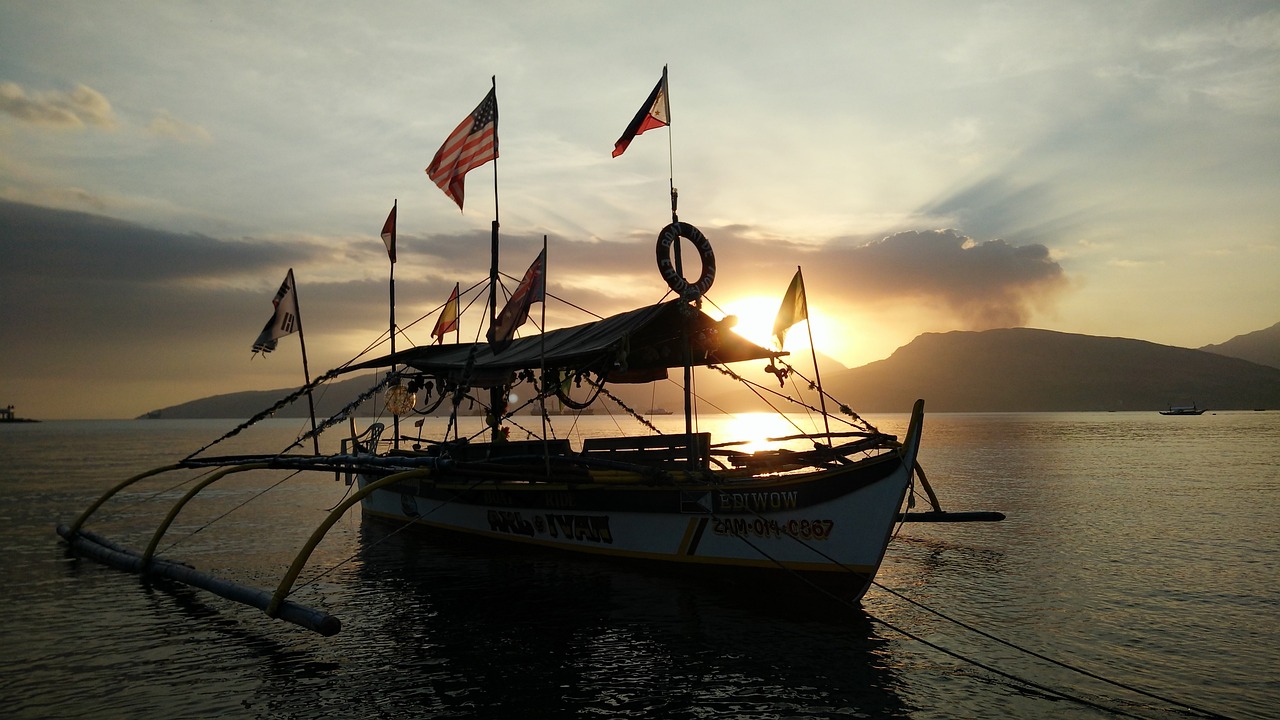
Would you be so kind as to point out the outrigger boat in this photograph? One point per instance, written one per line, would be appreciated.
(816, 509)
(819, 509)
(1191, 409)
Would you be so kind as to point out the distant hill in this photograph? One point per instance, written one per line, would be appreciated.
(1026, 370)
(1010, 370)
(333, 397)
(329, 399)
(1262, 347)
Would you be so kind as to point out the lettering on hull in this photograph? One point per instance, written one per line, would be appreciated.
(512, 523)
(818, 529)
(758, 501)
(555, 526)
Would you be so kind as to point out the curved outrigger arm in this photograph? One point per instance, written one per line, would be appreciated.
(84, 516)
(275, 604)
(286, 583)
(149, 553)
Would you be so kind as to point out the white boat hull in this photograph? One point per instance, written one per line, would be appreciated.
(831, 526)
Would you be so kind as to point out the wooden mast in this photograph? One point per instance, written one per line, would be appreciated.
(497, 395)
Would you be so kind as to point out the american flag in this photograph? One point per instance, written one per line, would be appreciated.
(473, 143)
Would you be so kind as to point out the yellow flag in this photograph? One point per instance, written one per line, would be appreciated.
(794, 308)
(448, 320)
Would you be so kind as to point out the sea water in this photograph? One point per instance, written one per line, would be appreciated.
(1139, 547)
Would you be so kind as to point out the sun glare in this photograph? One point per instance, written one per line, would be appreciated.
(754, 428)
(755, 322)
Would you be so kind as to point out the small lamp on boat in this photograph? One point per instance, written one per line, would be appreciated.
(400, 400)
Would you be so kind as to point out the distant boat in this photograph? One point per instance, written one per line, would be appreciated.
(1183, 410)
(7, 416)
(659, 411)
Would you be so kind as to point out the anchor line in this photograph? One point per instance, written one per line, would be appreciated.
(1052, 692)
(1010, 676)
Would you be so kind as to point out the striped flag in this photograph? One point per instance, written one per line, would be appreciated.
(532, 289)
(448, 320)
(285, 319)
(473, 143)
(655, 113)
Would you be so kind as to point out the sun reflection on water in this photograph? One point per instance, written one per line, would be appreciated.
(754, 429)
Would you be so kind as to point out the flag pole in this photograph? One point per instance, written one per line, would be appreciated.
(306, 371)
(395, 422)
(671, 162)
(813, 352)
(684, 328)
(497, 396)
(542, 360)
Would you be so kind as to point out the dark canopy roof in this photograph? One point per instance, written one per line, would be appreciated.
(633, 343)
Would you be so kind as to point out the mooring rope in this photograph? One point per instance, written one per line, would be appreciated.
(1066, 666)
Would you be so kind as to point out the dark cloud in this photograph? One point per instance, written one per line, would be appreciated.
(87, 297)
(982, 284)
(43, 244)
(91, 297)
(987, 284)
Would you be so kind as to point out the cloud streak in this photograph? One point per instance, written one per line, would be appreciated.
(55, 109)
(165, 125)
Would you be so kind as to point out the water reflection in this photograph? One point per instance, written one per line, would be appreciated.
(559, 635)
(1142, 546)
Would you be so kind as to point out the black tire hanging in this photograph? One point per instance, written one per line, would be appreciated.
(670, 235)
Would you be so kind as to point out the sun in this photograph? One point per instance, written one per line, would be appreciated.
(756, 314)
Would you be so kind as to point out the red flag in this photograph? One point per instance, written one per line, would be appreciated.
(389, 234)
(532, 289)
(448, 320)
(655, 113)
(473, 143)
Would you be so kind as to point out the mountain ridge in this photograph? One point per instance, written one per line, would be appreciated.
(1260, 346)
(1004, 370)
(1030, 370)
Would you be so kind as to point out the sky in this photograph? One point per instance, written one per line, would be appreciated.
(1106, 168)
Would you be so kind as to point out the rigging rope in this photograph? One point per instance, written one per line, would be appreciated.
(1066, 666)
(209, 524)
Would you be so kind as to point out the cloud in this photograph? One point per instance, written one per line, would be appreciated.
(72, 110)
(983, 284)
(166, 125)
(43, 244)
